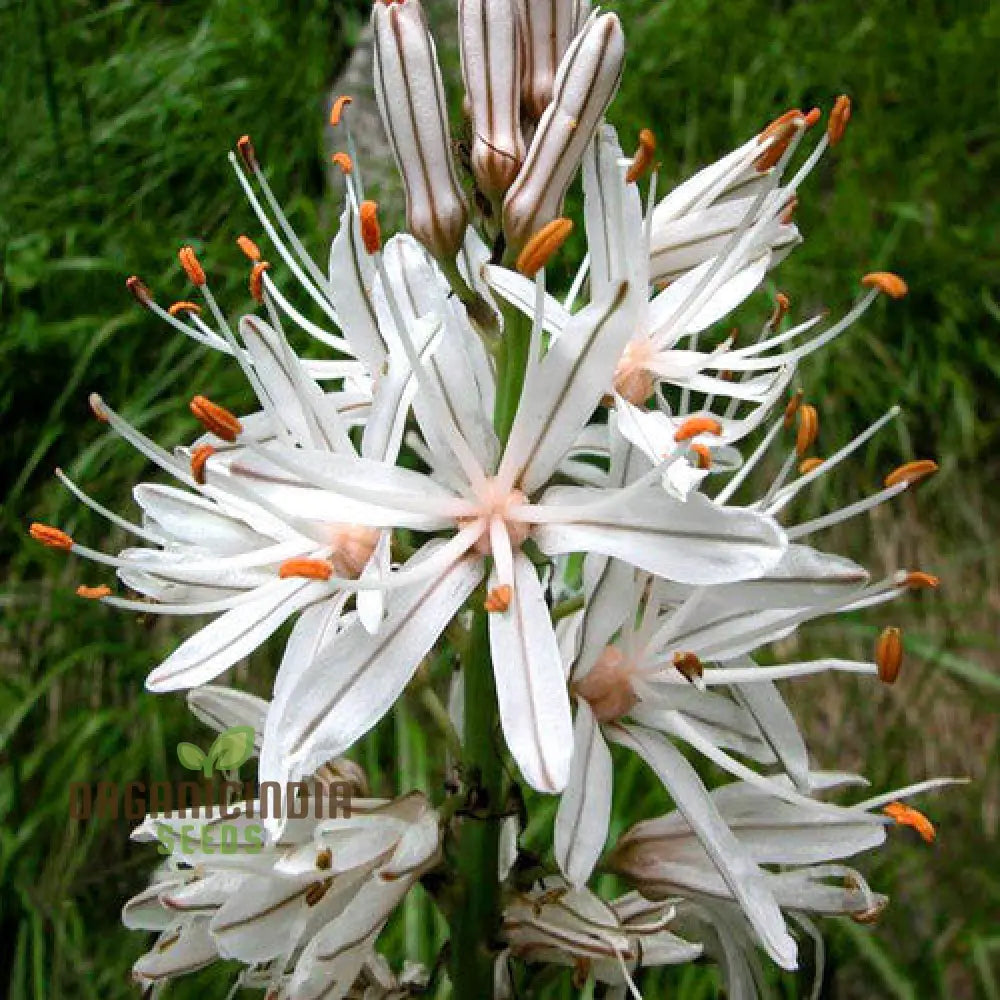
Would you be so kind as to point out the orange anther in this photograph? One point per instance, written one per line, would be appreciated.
(911, 472)
(53, 538)
(643, 159)
(184, 307)
(216, 419)
(813, 117)
(688, 665)
(257, 279)
(781, 306)
(809, 465)
(93, 593)
(97, 407)
(139, 290)
(311, 569)
(839, 117)
(886, 282)
(191, 265)
(249, 248)
(791, 115)
(792, 408)
(917, 580)
(808, 429)
(540, 249)
(788, 212)
(889, 654)
(371, 234)
(694, 426)
(499, 598)
(704, 455)
(199, 456)
(247, 153)
(337, 111)
(343, 161)
(906, 815)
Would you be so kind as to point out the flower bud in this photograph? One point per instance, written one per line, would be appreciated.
(587, 80)
(491, 70)
(411, 101)
(548, 27)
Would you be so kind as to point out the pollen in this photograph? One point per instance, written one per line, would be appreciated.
(703, 454)
(249, 248)
(889, 654)
(688, 665)
(808, 429)
(499, 598)
(192, 266)
(343, 161)
(540, 249)
(244, 146)
(183, 306)
(139, 290)
(792, 408)
(371, 234)
(643, 159)
(52, 538)
(809, 465)
(917, 580)
(310, 569)
(93, 593)
(256, 283)
(216, 419)
(338, 109)
(839, 117)
(911, 472)
(694, 426)
(199, 456)
(906, 815)
(886, 282)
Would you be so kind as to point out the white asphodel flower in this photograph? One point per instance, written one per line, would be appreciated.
(492, 507)
(302, 912)
(669, 859)
(603, 942)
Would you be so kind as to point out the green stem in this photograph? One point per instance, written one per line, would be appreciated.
(476, 919)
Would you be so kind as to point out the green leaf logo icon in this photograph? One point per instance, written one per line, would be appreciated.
(232, 748)
(192, 757)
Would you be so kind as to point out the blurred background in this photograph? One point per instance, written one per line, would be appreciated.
(115, 119)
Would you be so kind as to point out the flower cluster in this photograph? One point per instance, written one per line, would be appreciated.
(459, 460)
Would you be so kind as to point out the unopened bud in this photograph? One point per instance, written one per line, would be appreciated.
(587, 80)
(548, 27)
(491, 70)
(411, 101)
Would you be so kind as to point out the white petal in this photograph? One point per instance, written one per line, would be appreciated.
(225, 707)
(521, 292)
(778, 727)
(531, 685)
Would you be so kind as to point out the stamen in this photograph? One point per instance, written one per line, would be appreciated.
(256, 283)
(339, 106)
(371, 234)
(248, 154)
(809, 465)
(543, 246)
(792, 408)
(781, 138)
(109, 515)
(199, 456)
(911, 472)
(216, 419)
(643, 159)
(249, 248)
(93, 593)
(499, 598)
(694, 426)
(689, 666)
(344, 161)
(704, 455)
(781, 306)
(97, 407)
(192, 266)
(317, 890)
(889, 654)
(310, 569)
(917, 580)
(813, 117)
(139, 290)
(324, 860)
(886, 282)
(182, 307)
(50, 537)
(808, 429)
(906, 815)
(839, 117)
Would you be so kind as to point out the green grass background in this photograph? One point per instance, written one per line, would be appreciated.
(114, 122)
